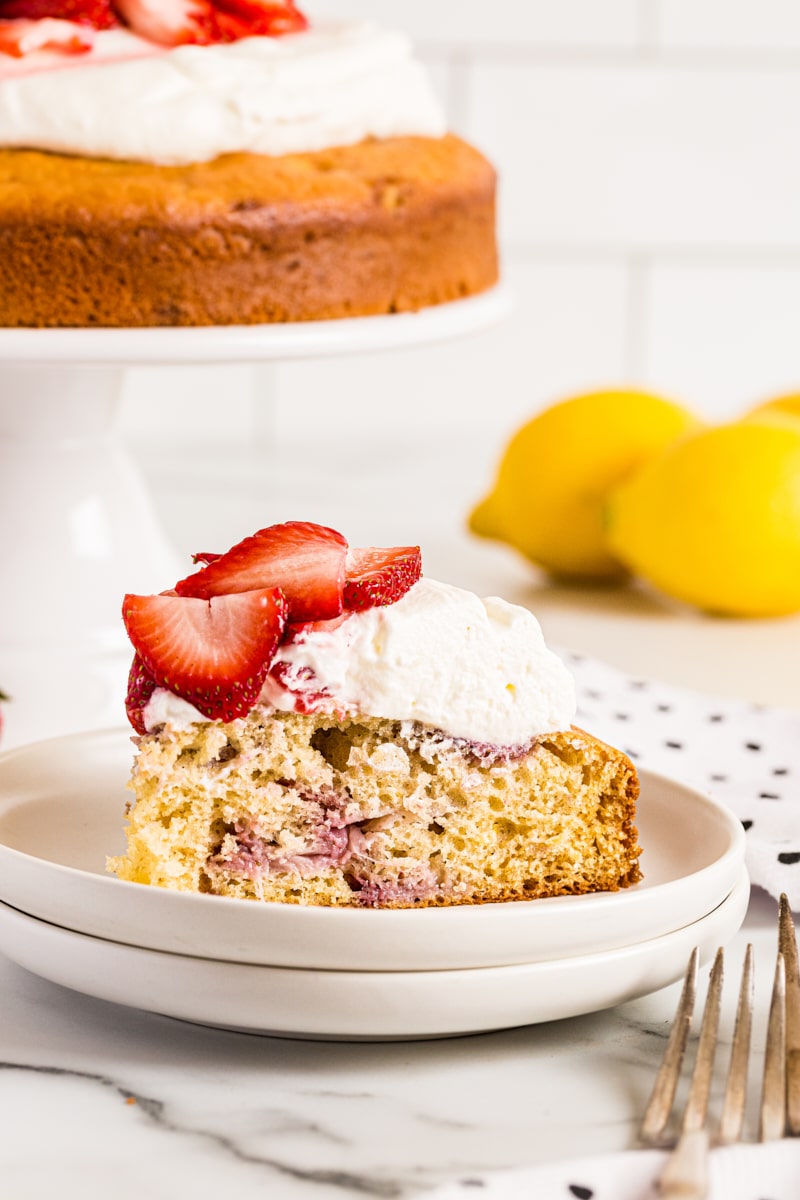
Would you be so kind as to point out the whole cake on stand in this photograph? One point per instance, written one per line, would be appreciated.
(294, 188)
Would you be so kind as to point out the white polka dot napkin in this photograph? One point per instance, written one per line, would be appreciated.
(748, 1172)
(746, 755)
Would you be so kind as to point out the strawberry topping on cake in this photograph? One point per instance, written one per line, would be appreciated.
(68, 26)
(99, 14)
(376, 577)
(21, 37)
(216, 653)
(306, 561)
(178, 22)
(141, 686)
(213, 640)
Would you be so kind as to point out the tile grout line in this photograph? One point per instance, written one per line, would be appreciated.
(459, 65)
(642, 53)
(725, 257)
(648, 24)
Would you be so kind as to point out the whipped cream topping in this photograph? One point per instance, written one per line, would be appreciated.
(126, 99)
(474, 669)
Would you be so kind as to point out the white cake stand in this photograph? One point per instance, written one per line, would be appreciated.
(77, 526)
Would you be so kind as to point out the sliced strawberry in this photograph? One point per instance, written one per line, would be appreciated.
(378, 576)
(96, 13)
(204, 557)
(21, 37)
(141, 686)
(171, 22)
(264, 18)
(177, 22)
(215, 654)
(304, 560)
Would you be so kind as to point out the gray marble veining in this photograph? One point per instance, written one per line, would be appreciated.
(100, 1099)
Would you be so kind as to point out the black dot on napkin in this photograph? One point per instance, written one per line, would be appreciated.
(747, 825)
(789, 856)
(583, 1193)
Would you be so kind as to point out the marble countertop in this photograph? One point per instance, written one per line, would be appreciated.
(100, 1099)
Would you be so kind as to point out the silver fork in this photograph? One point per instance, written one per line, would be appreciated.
(686, 1174)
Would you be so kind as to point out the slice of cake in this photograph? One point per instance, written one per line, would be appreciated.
(321, 725)
(217, 162)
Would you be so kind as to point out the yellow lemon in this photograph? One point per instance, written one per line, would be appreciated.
(715, 520)
(782, 408)
(558, 469)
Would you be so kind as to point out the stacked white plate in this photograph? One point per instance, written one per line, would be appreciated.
(343, 973)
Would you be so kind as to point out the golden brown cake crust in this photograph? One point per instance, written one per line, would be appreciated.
(384, 226)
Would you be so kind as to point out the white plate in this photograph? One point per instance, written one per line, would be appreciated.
(362, 1004)
(257, 343)
(61, 813)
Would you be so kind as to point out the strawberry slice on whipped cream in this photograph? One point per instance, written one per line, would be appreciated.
(177, 22)
(20, 37)
(214, 640)
(30, 29)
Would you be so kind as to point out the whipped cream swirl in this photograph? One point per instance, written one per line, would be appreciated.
(474, 669)
(329, 86)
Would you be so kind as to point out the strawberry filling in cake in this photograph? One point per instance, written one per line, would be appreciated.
(321, 724)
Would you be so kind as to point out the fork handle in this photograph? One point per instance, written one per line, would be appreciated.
(685, 1177)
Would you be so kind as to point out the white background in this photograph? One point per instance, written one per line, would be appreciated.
(649, 158)
(649, 162)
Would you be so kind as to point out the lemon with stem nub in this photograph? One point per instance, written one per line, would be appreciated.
(714, 521)
(558, 470)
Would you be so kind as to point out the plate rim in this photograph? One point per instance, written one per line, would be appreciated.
(542, 967)
(275, 921)
(416, 1015)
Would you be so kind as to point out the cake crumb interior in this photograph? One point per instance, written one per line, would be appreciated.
(366, 812)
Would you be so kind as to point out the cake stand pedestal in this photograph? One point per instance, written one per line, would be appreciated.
(77, 526)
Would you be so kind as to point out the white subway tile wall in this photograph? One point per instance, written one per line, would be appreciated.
(649, 158)
(726, 24)
(467, 24)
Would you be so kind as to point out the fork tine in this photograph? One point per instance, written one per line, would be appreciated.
(787, 944)
(694, 1116)
(685, 1174)
(735, 1101)
(659, 1105)
(686, 1171)
(773, 1096)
